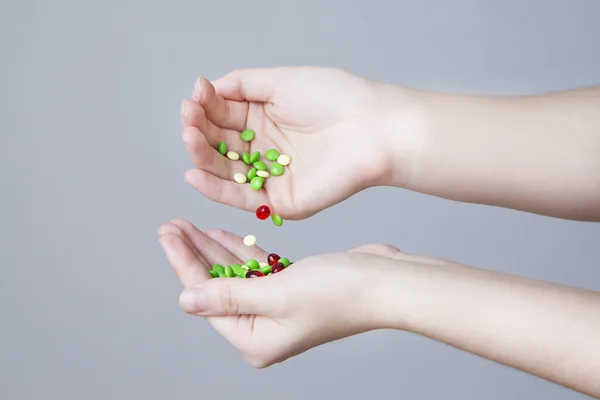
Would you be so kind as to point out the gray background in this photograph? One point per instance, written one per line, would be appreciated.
(92, 163)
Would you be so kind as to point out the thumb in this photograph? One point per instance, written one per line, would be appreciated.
(228, 296)
(251, 84)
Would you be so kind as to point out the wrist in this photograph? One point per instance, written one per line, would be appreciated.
(402, 128)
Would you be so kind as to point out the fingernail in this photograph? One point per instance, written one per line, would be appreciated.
(197, 90)
(184, 108)
(193, 300)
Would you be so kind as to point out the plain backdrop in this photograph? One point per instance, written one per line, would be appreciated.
(92, 163)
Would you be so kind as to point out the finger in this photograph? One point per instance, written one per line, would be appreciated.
(191, 269)
(212, 251)
(224, 113)
(193, 114)
(235, 245)
(252, 84)
(229, 297)
(379, 249)
(226, 192)
(205, 157)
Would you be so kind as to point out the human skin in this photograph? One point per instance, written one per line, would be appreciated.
(544, 329)
(345, 133)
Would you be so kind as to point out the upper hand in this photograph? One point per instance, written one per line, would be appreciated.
(336, 127)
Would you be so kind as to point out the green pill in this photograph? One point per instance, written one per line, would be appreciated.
(237, 269)
(252, 174)
(266, 269)
(246, 158)
(252, 264)
(214, 274)
(229, 272)
(276, 169)
(285, 261)
(254, 157)
(276, 218)
(247, 135)
(271, 155)
(222, 148)
(218, 268)
(261, 166)
(257, 182)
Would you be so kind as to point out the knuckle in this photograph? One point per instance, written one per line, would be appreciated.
(228, 301)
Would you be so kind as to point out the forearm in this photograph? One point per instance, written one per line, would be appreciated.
(545, 329)
(538, 154)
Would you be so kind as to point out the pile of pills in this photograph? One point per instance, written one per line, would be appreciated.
(259, 171)
(251, 268)
(256, 177)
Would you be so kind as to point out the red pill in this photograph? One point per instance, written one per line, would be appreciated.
(254, 273)
(277, 267)
(272, 259)
(263, 212)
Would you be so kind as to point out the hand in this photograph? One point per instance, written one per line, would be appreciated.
(270, 319)
(335, 126)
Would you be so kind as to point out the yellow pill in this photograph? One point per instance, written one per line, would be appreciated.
(239, 178)
(232, 155)
(245, 267)
(262, 174)
(284, 160)
(250, 240)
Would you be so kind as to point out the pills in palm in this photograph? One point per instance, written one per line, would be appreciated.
(232, 155)
(247, 135)
(239, 178)
(263, 174)
(284, 159)
(251, 268)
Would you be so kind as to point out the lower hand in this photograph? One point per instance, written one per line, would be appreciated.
(270, 319)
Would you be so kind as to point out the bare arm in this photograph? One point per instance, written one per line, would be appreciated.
(538, 154)
(547, 330)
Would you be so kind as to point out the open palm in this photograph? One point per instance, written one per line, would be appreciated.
(323, 118)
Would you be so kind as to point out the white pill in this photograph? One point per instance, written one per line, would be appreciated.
(250, 240)
(232, 155)
(284, 160)
(262, 264)
(239, 178)
(245, 267)
(262, 174)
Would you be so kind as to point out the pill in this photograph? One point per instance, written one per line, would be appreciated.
(247, 135)
(246, 158)
(276, 169)
(277, 267)
(222, 148)
(254, 157)
(213, 273)
(254, 274)
(267, 269)
(250, 240)
(259, 165)
(252, 264)
(276, 218)
(245, 267)
(252, 174)
(262, 264)
(285, 261)
(262, 174)
(229, 272)
(272, 258)
(232, 155)
(284, 159)
(271, 155)
(257, 182)
(263, 212)
(239, 178)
